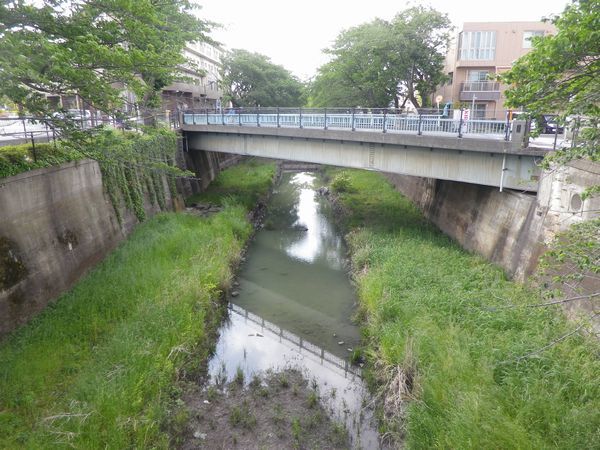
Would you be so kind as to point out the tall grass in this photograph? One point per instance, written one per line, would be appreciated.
(98, 369)
(243, 183)
(452, 327)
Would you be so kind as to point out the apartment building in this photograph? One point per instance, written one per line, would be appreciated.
(198, 84)
(480, 52)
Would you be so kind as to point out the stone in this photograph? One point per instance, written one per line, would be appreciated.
(199, 435)
(341, 343)
(235, 293)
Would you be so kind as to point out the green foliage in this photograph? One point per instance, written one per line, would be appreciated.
(446, 330)
(15, 159)
(379, 63)
(341, 183)
(133, 165)
(251, 79)
(561, 74)
(98, 368)
(88, 47)
(244, 184)
(573, 258)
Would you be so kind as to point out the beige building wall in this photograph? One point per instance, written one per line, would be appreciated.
(479, 52)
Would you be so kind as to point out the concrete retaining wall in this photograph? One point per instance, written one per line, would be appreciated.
(55, 224)
(511, 229)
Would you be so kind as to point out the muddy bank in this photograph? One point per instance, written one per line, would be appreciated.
(274, 411)
(290, 309)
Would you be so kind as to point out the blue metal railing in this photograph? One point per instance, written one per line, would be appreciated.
(382, 120)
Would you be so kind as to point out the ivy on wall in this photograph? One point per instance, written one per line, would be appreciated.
(134, 165)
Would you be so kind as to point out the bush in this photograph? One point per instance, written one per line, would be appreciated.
(15, 159)
(342, 183)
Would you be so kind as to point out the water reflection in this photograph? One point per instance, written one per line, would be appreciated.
(255, 345)
(317, 237)
(295, 304)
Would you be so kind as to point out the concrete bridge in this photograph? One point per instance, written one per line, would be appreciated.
(484, 152)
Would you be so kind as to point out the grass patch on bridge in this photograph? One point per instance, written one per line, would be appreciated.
(98, 369)
(444, 347)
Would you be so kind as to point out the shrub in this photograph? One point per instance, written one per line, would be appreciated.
(342, 183)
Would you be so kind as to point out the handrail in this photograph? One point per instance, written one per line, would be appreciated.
(455, 122)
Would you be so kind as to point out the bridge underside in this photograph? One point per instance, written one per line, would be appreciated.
(473, 165)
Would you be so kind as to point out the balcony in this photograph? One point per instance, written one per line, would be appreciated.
(481, 90)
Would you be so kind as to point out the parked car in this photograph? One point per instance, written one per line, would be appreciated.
(549, 125)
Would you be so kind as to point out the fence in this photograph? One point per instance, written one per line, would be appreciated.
(455, 122)
(30, 129)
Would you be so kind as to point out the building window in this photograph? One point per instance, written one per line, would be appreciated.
(479, 111)
(478, 75)
(527, 35)
(450, 78)
(477, 45)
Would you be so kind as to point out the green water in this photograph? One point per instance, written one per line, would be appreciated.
(295, 275)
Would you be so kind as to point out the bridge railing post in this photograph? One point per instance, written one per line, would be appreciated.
(325, 120)
(258, 116)
(384, 119)
(419, 126)
(222, 117)
(460, 124)
(207, 122)
(278, 124)
(301, 118)
(240, 117)
(507, 127)
(353, 124)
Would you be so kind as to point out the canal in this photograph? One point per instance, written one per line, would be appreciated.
(292, 306)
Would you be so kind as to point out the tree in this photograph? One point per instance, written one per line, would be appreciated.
(93, 48)
(251, 79)
(561, 74)
(381, 63)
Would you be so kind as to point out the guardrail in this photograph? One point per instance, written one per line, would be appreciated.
(455, 122)
(24, 129)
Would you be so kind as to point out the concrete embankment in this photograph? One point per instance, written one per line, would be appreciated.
(57, 223)
(509, 228)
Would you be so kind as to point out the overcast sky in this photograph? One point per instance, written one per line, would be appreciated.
(293, 32)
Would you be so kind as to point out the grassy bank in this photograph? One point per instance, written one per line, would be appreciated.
(99, 368)
(444, 345)
(242, 184)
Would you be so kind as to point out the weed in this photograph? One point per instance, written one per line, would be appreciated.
(256, 381)
(338, 435)
(314, 420)
(283, 380)
(242, 416)
(239, 376)
(296, 430)
(312, 399)
(211, 393)
(278, 416)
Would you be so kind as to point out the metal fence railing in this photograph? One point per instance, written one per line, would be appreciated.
(454, 122)
(23, 129)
